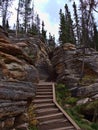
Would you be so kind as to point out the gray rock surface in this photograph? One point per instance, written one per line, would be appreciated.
(67, 62)
(18, 77)
(38, 51)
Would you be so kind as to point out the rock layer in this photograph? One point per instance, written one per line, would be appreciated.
(68, 62)
(38, 51)
(18, 77)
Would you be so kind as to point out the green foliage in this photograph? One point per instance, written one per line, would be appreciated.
(51, 41)
(61, 93)
(94, 126)
(34, 30)
(88, 79)
(33, 128)
(64, 97)
(95, 38)
(66, 33)
(62, 28)
(71, 100)
(43, 32)
(79, 119)
(76, 22)
(92, 105)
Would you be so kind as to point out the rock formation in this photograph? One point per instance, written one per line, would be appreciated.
(18, 77)
(68, 62)
(38, 51)
(26, 60)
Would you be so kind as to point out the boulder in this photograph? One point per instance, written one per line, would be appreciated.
(84, 101)
(89, 90)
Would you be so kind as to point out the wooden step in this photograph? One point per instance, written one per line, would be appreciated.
(44, 97)
(50, 117)
(44, 90)
(44, 105)
(42, 101)
(65, 128)
(44, 86)
(55, 125)
(47, 111)
(43, 93)
(54, 121)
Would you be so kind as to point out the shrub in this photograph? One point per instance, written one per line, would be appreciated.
(71, 100)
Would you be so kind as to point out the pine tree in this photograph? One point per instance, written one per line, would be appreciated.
(77, 26)
(66, 32)
(87, 23)
(4, 5)
(43, 32)
(18, 12)
(7, 25)
(25, 12)
(69, 26)
(62, 28)
(37, 23)
(51, 41)
(95, 38)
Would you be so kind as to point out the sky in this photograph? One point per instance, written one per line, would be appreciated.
(48, 11)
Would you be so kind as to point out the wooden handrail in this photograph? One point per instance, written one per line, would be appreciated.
(65, 114)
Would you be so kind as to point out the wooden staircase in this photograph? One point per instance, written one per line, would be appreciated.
(49, 114)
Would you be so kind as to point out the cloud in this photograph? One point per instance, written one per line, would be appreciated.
(48, 11)
(51, 22)
(40, 4)
(52, 8)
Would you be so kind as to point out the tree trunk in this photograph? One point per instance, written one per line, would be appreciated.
(4, 14)
(17, 22)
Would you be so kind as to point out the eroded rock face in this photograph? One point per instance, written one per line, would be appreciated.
(18, 77)
(38, 51)
(68, 62)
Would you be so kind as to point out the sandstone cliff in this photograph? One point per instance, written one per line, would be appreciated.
(68, 62)
(18, 77)
(38, 52)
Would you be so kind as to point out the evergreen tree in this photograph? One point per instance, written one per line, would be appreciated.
(87, 23)
(43, 32)
(51, 41)
(62, 28)
(25, 12)
(34, 30)
(7, 25)
(4, 5)
(95, 38)
(77, 26)
(20, 5)
(37, 23)
(69, 26)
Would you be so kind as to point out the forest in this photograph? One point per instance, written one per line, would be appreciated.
(78, 26)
